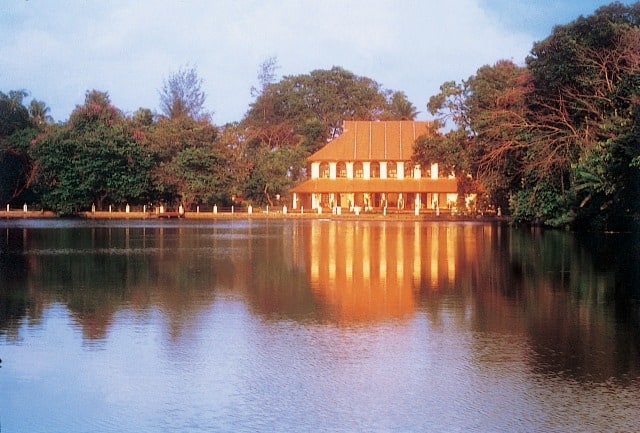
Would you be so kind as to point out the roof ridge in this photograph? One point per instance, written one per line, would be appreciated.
(355, 141)
(385, 140)
(401, 138)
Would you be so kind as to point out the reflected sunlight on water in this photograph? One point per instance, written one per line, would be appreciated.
(314, 326)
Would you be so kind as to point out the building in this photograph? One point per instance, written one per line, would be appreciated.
(369, 167)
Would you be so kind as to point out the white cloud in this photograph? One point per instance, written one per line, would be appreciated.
(59, 49)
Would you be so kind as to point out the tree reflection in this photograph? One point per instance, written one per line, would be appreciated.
(572, 299)
(563, 294)
(14, 266)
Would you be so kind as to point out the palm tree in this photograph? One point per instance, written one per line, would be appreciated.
(400, 108)
(39, 113)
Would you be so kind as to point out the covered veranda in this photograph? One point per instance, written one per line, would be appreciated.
(375, 194)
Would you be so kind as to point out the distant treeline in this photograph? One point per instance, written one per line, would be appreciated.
(556, 141)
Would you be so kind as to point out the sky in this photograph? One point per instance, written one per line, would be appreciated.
(57, 50)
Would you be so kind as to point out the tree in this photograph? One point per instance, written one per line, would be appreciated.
(142, 117)
(497, 111)
(202, 175)
(272, 173)
(556, 139)
(94, 158)
(328, 97)
(586, 78)
(453, 149)
(39, 113)
(266, 75)
(175, 146)
(13, 114)
(297, 115)
(449, 106)
(450, 152)
(182, 95)
(400, 108)
(17, 168)
(97, 108)
(607, 182)
(16, 133)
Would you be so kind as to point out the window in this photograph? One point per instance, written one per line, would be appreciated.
(392, 170)
(375, 170)
(412, 170)
(341, 169)
(324, 170)
(358, 170)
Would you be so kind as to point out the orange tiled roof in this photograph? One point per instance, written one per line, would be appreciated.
(408, 185)
(374, 141)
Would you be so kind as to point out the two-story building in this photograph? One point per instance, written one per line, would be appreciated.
(369, 167)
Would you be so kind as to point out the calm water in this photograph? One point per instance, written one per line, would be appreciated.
(304, 326)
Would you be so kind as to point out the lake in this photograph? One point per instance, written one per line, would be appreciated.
(277, 325)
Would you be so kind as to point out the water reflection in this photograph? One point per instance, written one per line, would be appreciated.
(362, 272)
(272, 325)
(377, 271)
(569, 304)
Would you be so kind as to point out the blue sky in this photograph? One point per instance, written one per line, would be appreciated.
(59, 49)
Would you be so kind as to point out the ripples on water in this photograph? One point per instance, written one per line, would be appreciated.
(258, 327)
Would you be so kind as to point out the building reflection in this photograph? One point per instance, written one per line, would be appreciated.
(364, 272)
(573, 301)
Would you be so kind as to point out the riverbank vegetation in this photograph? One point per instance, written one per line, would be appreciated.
(555, 140)
(558, 139)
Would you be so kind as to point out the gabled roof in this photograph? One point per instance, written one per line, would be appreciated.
(374, 141)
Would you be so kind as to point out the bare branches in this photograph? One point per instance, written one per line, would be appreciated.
(266, 75)
(182, 95)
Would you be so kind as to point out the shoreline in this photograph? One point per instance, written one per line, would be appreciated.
(364, 216)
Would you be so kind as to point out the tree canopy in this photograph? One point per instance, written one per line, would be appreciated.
(296, 116)
(92, 159)
(556, 140)
(13, 114)
(18, 126)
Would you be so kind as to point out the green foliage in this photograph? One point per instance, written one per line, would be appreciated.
(17, 169)
(14, 116)
(558, 138)
(143, 117)
(324, 97)
(400, 108)
(272, 173)
(173, 145)
(296, 116)
(447, 150)
(542, 205)
(607, 184)
(167, 137)
(449, 106)
(92, 159)
(16, 132)
(202, 175)
(97, 108)
(39, 113)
